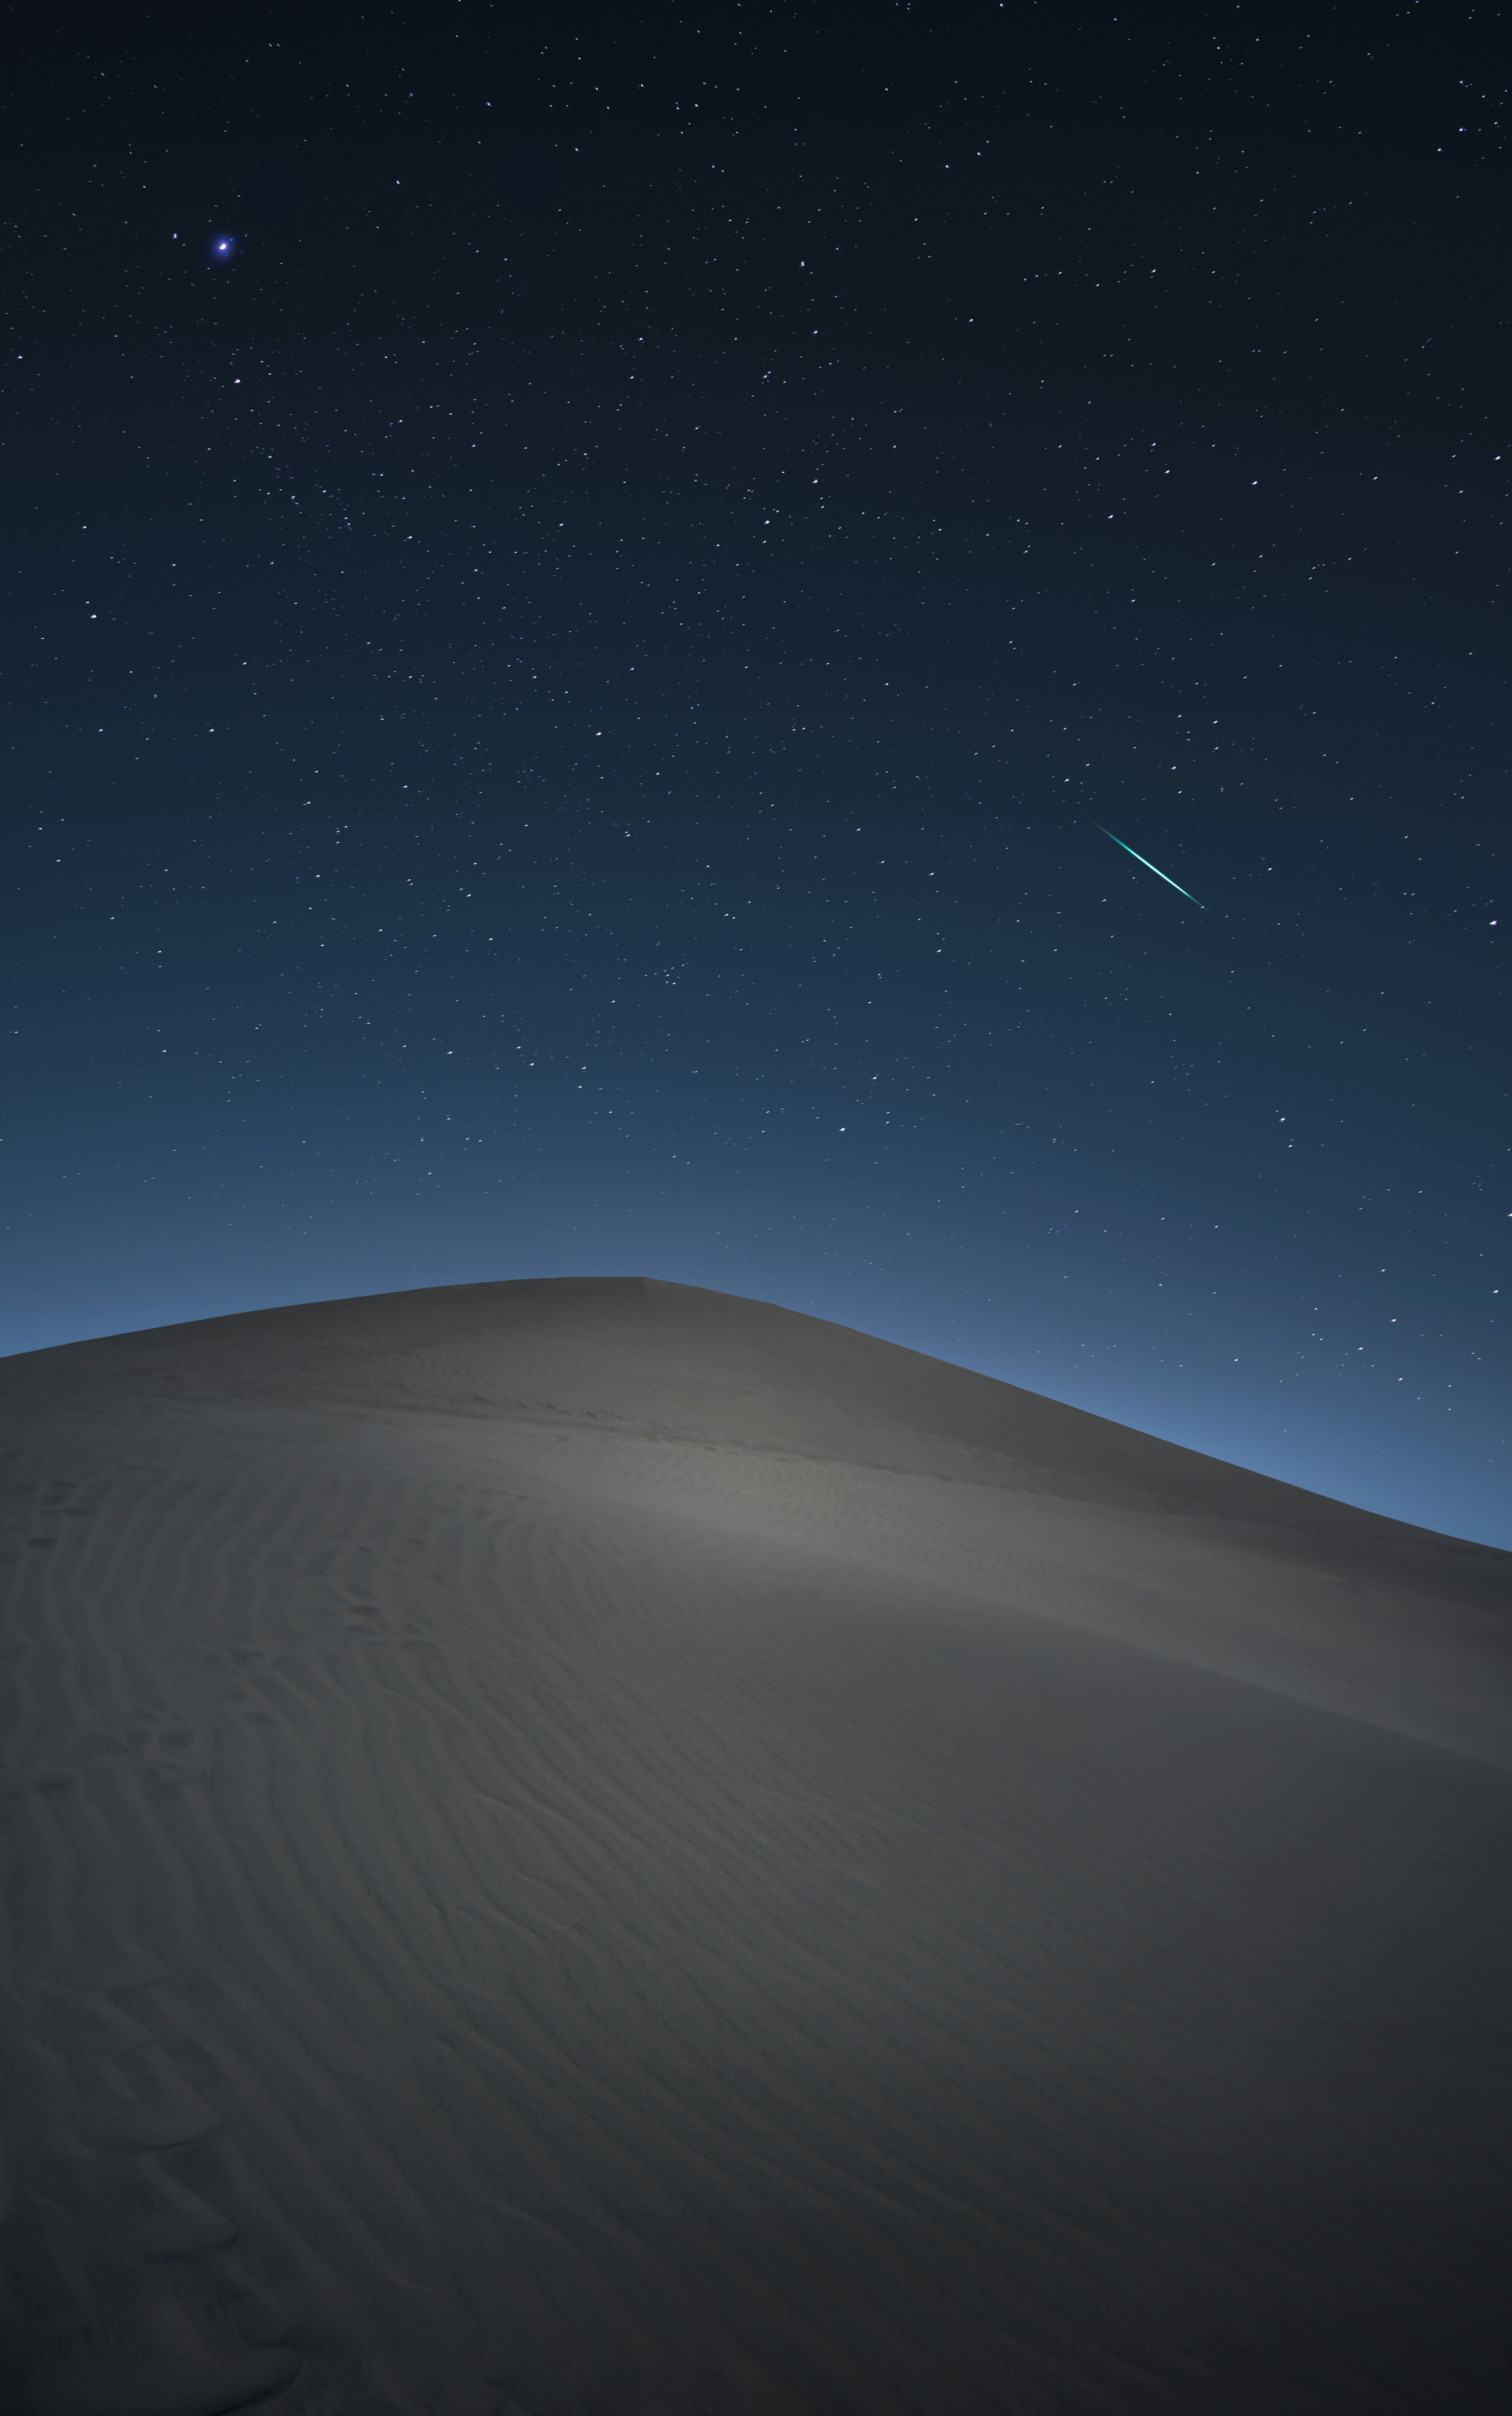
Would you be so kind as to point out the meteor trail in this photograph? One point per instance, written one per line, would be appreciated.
(1148, 866)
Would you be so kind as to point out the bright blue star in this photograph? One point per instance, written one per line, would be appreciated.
(222, 244)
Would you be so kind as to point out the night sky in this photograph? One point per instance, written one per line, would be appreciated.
(576, 590)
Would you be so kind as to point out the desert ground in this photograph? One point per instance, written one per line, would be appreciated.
(594, 1846)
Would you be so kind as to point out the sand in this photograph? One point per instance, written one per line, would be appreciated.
(594, 1845)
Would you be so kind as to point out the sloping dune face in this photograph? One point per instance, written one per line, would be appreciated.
(598, 1846)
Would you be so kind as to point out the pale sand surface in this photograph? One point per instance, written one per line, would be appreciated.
(593, 1846)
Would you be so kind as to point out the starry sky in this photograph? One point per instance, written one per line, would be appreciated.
(581, 593)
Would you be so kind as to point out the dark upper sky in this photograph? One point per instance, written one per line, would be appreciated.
(558, 692)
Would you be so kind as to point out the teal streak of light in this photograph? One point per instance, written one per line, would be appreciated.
(1148, 866)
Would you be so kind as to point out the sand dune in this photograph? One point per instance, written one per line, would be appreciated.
(598, 1846)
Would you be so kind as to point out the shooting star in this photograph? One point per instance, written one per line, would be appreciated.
(1148, 866)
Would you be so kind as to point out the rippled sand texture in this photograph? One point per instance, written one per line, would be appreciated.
(593, 1846)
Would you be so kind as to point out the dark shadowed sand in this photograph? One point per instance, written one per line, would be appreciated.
(593, 1846)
